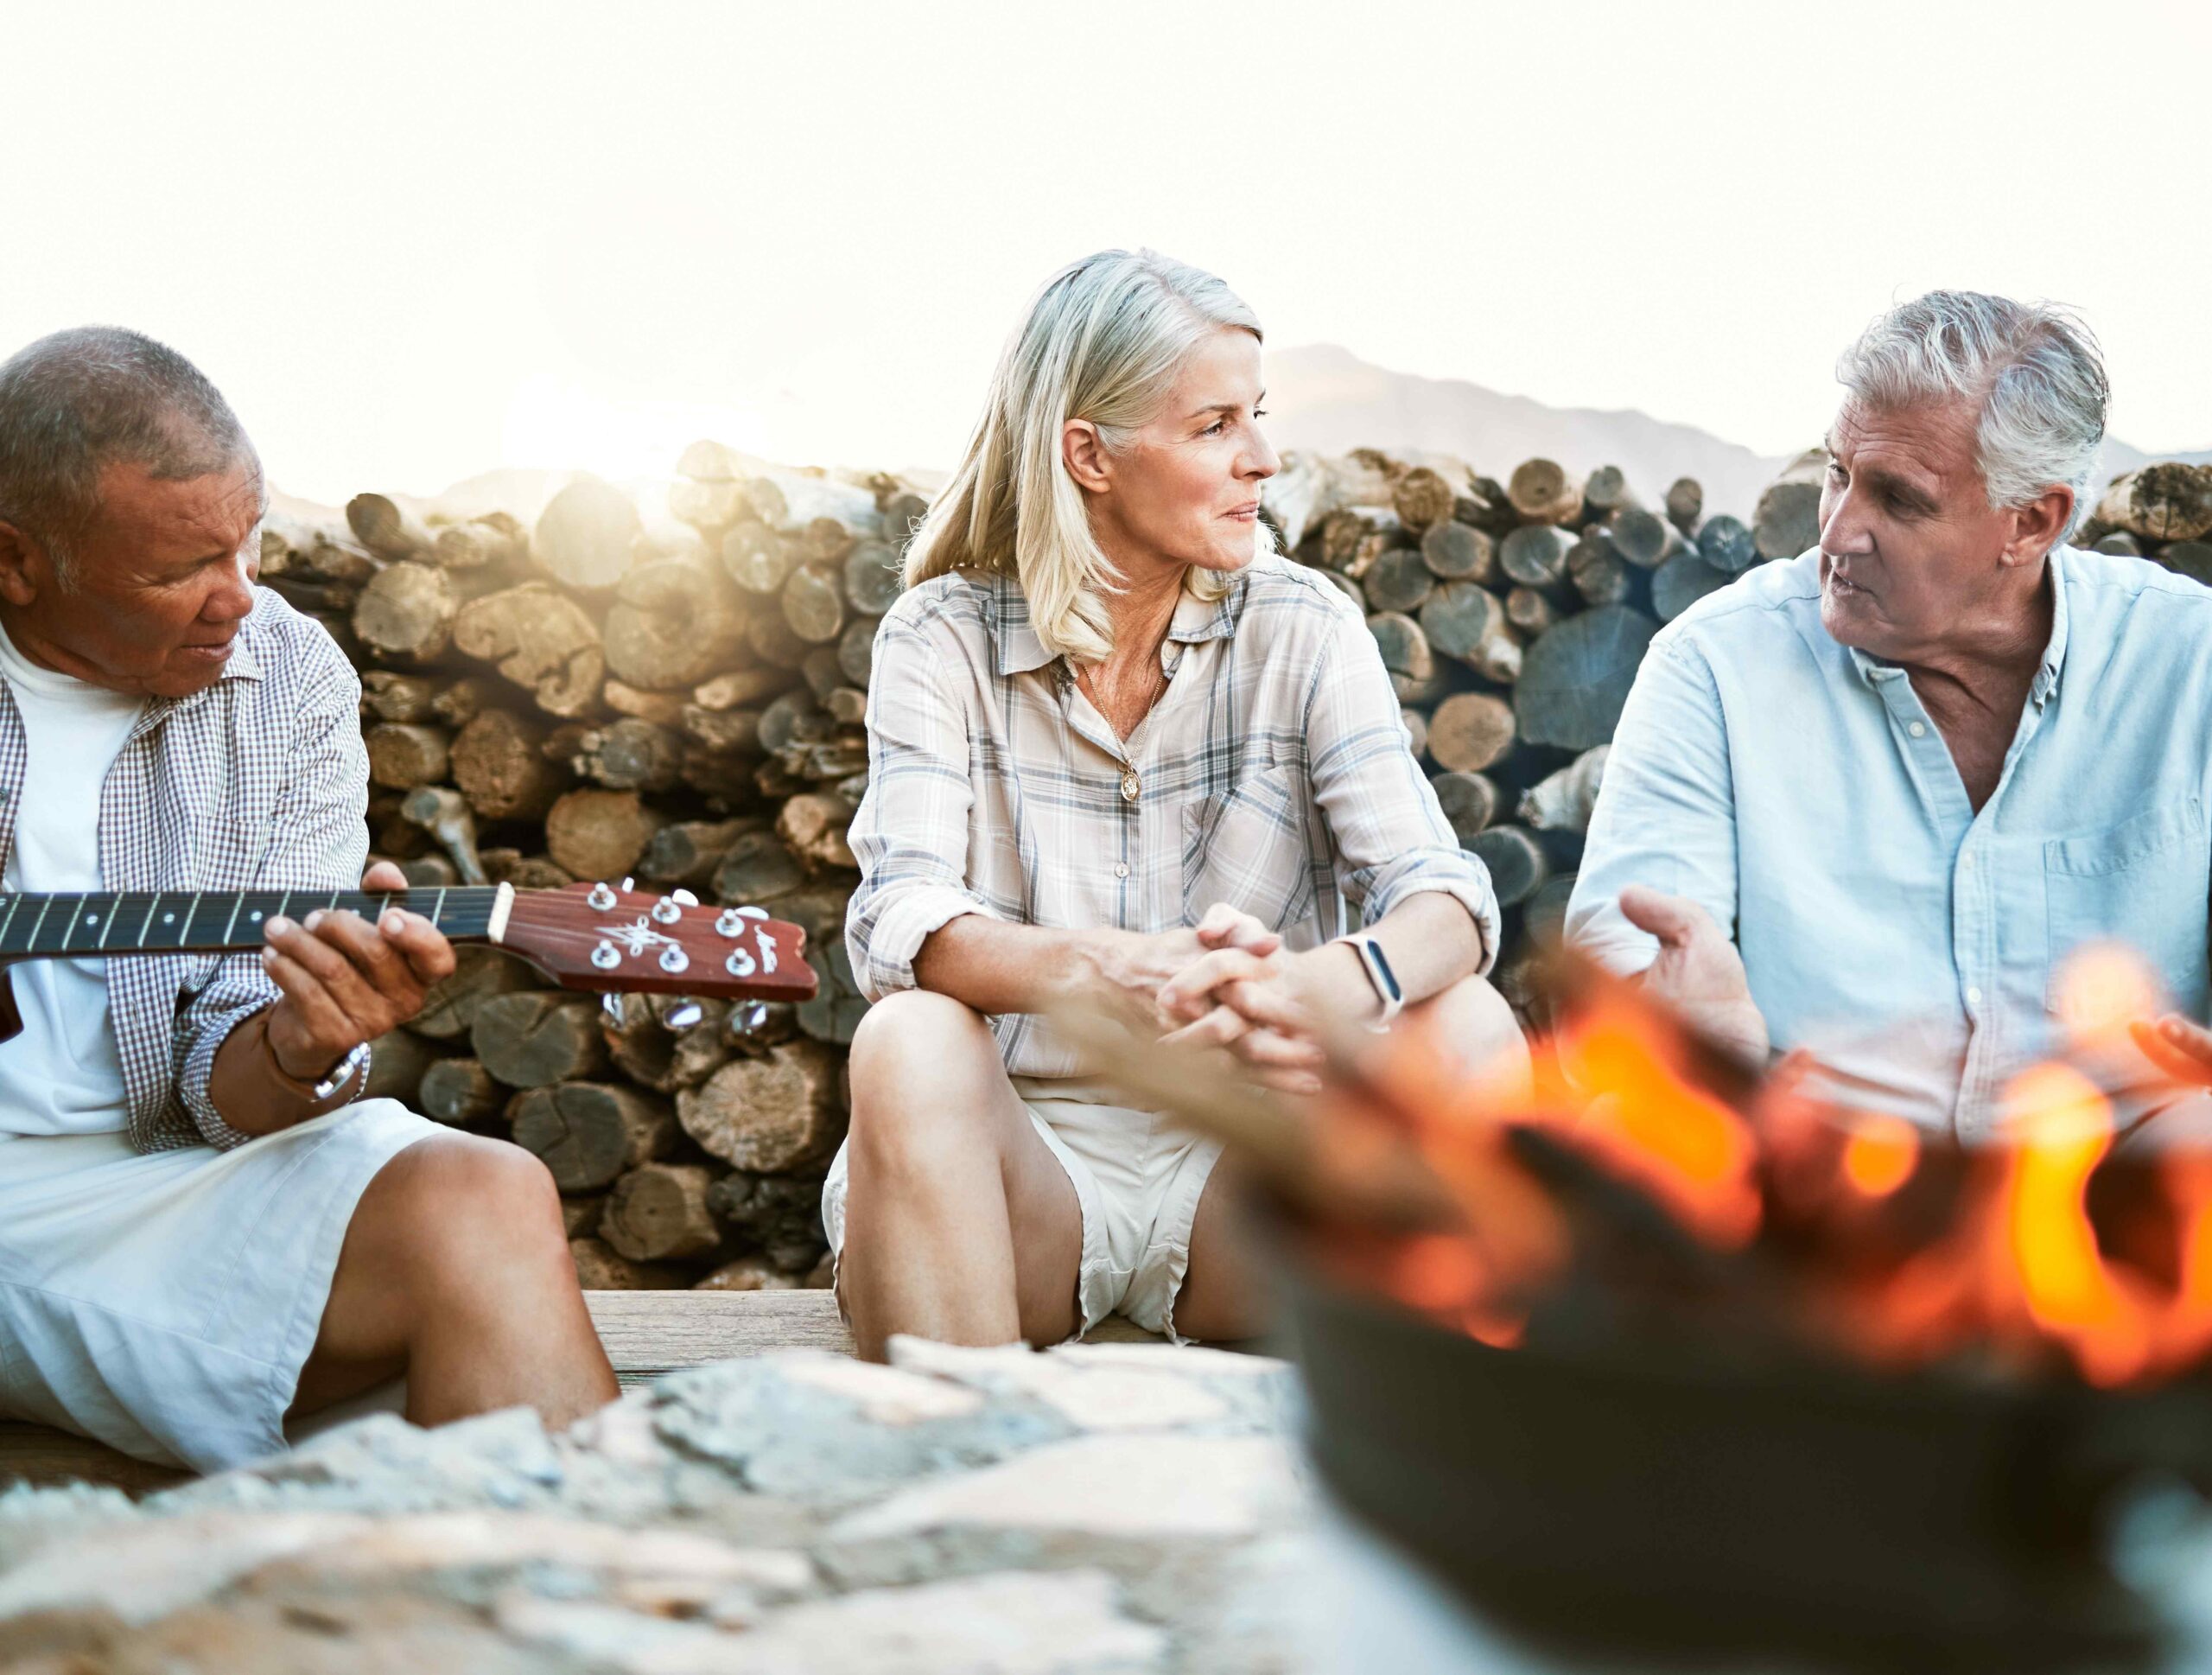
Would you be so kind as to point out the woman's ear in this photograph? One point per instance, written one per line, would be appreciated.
(1083, 451)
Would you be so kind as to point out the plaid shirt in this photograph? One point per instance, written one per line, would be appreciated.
(1273, 774)
(260, 782)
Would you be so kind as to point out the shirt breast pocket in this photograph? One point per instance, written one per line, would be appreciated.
(2142, 883)
(1247, 847)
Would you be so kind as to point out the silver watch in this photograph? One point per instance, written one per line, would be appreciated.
(344, 1071)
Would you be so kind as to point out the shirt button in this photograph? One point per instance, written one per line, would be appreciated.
(1919, 730)
(1120, 870)
(1974, 997)
(1128, 787)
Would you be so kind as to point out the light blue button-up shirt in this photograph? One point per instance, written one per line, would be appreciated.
(1800, 791)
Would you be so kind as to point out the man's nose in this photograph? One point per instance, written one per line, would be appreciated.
(233, 599)
(1844, 529)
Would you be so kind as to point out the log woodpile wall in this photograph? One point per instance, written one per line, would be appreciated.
(680, 700)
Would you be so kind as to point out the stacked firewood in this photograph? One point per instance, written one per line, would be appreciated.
(674, 693)
(600, 694)
(2162, 512)
(1513, 616)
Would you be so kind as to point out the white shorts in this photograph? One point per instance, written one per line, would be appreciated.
(1138, 1179)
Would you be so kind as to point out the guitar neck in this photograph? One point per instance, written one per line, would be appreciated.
(106, 922)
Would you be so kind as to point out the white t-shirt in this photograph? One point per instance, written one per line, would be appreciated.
(63, 1075)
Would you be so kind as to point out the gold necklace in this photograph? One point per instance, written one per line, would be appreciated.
(1151, 695)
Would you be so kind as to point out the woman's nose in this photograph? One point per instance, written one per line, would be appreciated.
(1260, 461)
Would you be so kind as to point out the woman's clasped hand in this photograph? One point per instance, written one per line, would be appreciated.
(1227, 982)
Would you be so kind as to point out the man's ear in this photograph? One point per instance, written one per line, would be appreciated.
(1084, 452)
(23, 566)
(2039, 525)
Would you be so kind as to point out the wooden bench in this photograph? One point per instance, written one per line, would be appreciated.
(646, 1334)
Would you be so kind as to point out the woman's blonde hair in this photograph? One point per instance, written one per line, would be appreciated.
(1102, 341)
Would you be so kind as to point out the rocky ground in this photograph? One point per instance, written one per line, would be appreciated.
(1097, 1508)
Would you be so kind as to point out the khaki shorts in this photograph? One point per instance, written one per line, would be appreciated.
(1138, 1179)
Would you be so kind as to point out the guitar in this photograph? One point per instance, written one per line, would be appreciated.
(586, 936)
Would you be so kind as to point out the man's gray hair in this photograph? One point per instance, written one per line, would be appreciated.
(2035, 368)
(94, 396)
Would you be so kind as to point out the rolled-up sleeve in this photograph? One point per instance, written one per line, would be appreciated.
(319, 840)
(1666, 814)
(1392, 840)
(910, 834)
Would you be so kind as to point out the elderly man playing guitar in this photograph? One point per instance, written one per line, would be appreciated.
(201, 1230)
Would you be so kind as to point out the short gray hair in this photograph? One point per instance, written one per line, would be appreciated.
(2035, 367)
(80, 400)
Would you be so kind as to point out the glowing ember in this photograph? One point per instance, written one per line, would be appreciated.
(1879, 1155)
(2100, 989)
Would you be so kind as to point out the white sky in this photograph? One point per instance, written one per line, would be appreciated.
(414, 241)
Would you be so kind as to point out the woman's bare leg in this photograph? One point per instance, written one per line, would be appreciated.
(960, 1224)
(1223, 1295)
(456, 1270)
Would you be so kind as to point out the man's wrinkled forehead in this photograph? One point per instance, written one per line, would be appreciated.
(213, 512)
(1924, 447)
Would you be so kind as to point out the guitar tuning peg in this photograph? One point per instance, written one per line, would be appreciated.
(684, 898)
(611, 1007)
(684, 1015)
(629, 884)
(601, 898)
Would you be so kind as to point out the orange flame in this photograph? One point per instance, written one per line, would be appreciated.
(2000, 1250)
(1638, 1112)
(2048, 1254)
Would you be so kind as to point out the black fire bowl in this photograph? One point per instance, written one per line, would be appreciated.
(1680, 1507)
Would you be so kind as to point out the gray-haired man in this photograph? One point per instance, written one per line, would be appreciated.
(199, 1233)
(1920, 766)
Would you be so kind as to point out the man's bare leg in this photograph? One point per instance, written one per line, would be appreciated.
(1223, 1295)
(960, 1224)
(456, 1270)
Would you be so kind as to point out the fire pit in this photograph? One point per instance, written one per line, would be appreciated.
(1659, 1353)
(1664, 1500)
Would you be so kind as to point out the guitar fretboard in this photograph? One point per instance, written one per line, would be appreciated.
(211, 921)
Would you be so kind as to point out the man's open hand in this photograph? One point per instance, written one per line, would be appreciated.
(1699, 974)
(345, 981)
(2179, 1046)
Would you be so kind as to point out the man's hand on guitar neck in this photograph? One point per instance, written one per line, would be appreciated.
(344, 982)
(347, 981)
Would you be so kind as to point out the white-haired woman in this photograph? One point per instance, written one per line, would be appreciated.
(1121, 753)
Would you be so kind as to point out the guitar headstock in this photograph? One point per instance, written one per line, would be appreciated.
(593, 936)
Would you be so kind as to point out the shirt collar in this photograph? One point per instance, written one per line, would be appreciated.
(2054, 654)
(1019, 649)
(1874, 670)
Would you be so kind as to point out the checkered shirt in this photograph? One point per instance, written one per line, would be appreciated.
(259, 781)
(1274, 774)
